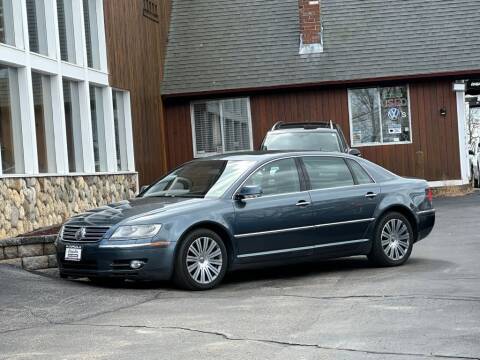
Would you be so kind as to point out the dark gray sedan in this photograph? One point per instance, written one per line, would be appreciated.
(220, 213)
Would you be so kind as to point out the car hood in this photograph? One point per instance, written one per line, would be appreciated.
(115, 213)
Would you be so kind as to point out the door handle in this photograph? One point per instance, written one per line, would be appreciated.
(302, 203)
(371, 195)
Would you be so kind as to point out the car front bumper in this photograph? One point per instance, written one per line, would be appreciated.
(114, 262)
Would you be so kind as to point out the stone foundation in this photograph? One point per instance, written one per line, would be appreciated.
(30, 253)
(27, 204)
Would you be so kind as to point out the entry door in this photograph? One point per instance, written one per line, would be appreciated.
(278, 223)
(344, 199)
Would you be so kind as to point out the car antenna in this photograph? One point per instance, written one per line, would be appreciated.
(331, 124)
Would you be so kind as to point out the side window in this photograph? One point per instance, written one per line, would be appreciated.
(277, 177)
(359, 173)
(327, 172)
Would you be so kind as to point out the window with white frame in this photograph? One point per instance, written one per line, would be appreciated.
(73, 126)
(119, 118)
(11, 149)
(44, 131)
(380, 115)
(66, 30)
(91, 33)
(221, 126)
(7, 35)
(98, 128)
(37, 28)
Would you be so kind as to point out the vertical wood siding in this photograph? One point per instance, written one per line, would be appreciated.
(433, 154)
(136, 52)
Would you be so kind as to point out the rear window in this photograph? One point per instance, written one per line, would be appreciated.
(305, 141)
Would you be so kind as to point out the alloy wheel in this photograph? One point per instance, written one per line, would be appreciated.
(395, 239)
(204, 260)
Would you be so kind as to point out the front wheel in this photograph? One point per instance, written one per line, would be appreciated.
(201, 261)
(393, 241)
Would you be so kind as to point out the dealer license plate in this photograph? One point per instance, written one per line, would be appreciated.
(73, 253)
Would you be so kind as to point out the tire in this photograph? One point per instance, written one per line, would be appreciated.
(393, 240)
(476, 180)
(201, 261)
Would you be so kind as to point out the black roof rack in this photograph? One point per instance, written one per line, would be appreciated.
(304, 125)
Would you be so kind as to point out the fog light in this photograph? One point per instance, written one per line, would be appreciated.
(136, 264)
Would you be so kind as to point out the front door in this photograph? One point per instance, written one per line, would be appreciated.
(278, 223)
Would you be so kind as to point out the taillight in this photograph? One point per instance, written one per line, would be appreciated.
(429, 195)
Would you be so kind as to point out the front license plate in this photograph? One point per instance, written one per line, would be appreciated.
(73, 253)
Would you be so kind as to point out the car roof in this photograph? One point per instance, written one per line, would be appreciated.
(294, 130)
(260, 156)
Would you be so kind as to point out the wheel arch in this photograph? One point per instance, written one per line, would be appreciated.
(405, 211)
(218, 228)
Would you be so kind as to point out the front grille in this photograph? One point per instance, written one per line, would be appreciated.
(82, 265)
(91, 233)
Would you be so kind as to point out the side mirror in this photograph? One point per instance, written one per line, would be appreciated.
(471, 152)
(355, 152)
(249, 192)
(143, 188)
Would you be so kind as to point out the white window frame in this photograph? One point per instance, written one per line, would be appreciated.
(126, 157)
(192, 124)
(380, 117)
(20, 57)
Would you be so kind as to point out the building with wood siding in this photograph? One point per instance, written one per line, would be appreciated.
(390, 73)
(79, 102)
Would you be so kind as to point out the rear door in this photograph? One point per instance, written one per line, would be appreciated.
(278, 223)
(344, 198)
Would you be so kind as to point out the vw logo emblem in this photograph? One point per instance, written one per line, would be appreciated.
(394, 114)
(80, 234)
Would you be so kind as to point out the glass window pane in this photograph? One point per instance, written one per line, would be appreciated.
(37, 30)
(235, 125)
(277, 177)
(327, 172)
(359, 172)
(120, 135)
(208, 133)
(43, 123)
(73, 126)
(365, 116)
(7, 35)
(11, 149)
(66, 30)
(91, 33)
(98, 129)
(395, 114)
(222, 126)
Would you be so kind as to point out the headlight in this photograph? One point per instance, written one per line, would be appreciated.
(130, 232)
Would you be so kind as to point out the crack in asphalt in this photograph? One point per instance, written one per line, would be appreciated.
(279, 342)
(419, 297)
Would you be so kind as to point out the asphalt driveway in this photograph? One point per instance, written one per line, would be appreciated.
(342, 309)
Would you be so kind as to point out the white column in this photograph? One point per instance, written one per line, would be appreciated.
(85, 119)
(79, 30)
(461, 120)
(129, 132)
(16, 22)
(102, 45)
(59, 128)
(51, 27)
(27, 116)
(111, 151)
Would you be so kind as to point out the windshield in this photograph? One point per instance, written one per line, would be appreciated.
(200, 179)
(318, 141)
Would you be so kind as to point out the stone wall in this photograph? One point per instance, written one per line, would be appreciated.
(30, 253)
(27, 204)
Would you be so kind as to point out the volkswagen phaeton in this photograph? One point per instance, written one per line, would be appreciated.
(226, 212)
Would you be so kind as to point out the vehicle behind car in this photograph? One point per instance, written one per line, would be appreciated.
(307, 136)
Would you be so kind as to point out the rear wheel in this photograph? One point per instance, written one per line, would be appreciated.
(201, 261)
(393, 240)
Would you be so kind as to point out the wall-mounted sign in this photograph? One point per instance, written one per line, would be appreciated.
(394, 129)
(473, 87)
